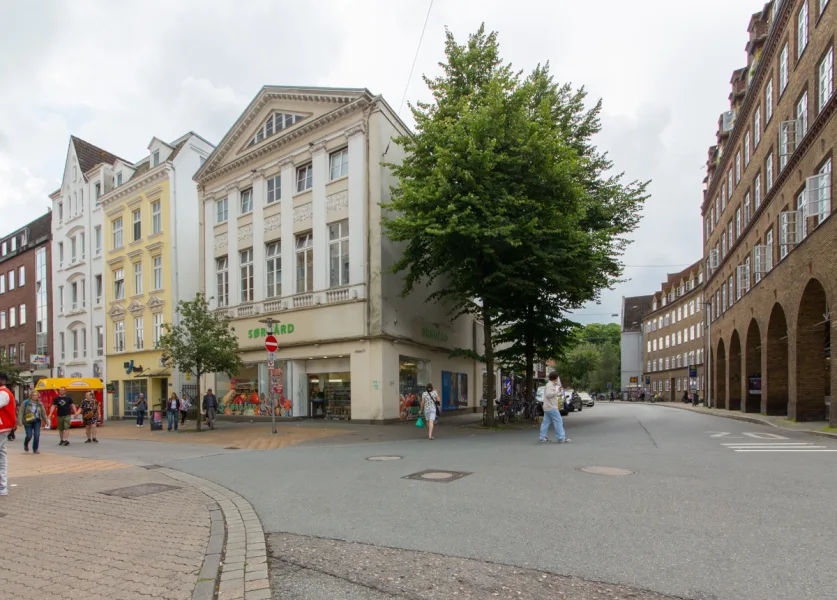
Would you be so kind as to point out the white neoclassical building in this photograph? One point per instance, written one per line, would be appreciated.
(291, 230)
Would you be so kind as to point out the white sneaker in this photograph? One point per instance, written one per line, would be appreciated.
(566, 441)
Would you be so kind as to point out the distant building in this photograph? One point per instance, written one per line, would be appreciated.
(633, 309)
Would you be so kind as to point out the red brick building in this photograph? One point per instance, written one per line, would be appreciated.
(26, 298)
(770, 238)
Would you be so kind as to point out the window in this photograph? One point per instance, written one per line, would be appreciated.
(746, 148)
(21, 276)
(138, 333)
(73, 250)
(304, 178)
(304, 263)
(738, 222)
(737, 167)
(60, 219)
(158, 272)
(97, 239)
(654, 345)
(155, 158)
(783, 69)
(717, 210)
(668, 341)
(679, 314)
(100, 340)
(138, 278)
(768, 171)
(823, 4)
(757, 127)
(63, 347)
(222, 210)
(723, 298)
(768, 102)
(158, 328)
(12, 317)
(679, 337)
(60, 299)
(119, 336)
(222, 281)
(826, 78)
(648, 366)
(2, 319)
(274, 189)
(274, 124)
(757, 191)
(156, 217)
(11, 280)
(12, 353)
(648, 346)
(246, 269)
(768, 241)
(81, 200)
(246, 201)
(823, 193)
(339, 164)
(801, 117)
(137, 218)
(729, 189)
(274, 269)
(22, 354)
(119, 178)
(99, 289)
(74, 295)
(117, 233)
(802, 215)
(747, 207)
(97, 191)
(82, 242)
(74, 337)
(338, 253)
(802, 29)
(119, 284)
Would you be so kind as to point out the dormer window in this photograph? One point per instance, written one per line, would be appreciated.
(155, 158)
(274, 124)
(119, 178)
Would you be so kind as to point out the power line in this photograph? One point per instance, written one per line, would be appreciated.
(415, 58)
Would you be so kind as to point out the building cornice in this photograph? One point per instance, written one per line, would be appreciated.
(676, 302)
(134, 186)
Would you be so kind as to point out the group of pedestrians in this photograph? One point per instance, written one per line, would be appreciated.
(177, 408)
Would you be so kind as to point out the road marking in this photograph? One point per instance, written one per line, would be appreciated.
(756, 444)
(759, 435)
(776, 447)
(782, 450)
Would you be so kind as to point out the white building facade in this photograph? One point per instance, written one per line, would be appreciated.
(291, 230)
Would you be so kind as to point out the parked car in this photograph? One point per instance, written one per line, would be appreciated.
(572, 401)
(587, 399)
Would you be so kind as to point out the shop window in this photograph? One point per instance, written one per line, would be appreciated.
(133, 388)
(413, 377)
(330, 395)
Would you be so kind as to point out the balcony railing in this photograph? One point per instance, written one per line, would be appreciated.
(247, 310)
(273, 306)
(338, 295)
(303, 300)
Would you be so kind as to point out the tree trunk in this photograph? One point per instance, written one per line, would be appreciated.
(199, 400)
(490, 392)
(530, 366)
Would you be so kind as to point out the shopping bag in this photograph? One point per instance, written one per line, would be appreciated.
(420, 422)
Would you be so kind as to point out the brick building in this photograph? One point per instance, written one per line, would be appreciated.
(770, 241)
(674, 344)
(26, 298)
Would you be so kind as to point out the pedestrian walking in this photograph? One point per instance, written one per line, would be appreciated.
(428, 407)
(184, 407)
(695, 399)
(32, 414)
(210, 405)
(8, 423)
(90, 414)
(685, 398)
(173, 410)
(63, 407)
(140, 406)
(551, 413)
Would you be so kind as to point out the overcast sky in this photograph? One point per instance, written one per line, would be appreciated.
(118, 73)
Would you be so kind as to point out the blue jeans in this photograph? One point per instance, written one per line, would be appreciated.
(33, 430)
(554, 417)
(140, 417)
(173, 418)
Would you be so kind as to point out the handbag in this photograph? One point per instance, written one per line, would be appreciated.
(420, 422)
(28, 417)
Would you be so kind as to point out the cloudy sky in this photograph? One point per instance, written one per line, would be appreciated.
(118, 73)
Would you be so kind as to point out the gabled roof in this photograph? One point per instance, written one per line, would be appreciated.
(634, 308)
(89, 155)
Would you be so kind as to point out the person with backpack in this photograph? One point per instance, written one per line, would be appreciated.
(8, 423)
(32, 414)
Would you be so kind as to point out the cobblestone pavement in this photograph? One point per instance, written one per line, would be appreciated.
(307, 568)
(64, 539)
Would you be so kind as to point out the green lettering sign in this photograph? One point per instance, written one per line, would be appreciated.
(277, 330)
(434, 334)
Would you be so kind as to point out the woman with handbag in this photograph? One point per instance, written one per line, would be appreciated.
(90, 414)
(428, 407)
(32, 414)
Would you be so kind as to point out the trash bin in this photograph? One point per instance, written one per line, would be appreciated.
(156, 420)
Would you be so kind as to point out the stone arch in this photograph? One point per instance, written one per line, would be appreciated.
(813, 368)
(734, 371)
(721, 376)
(775, 377)
(752, 369)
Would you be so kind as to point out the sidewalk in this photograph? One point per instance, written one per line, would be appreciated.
(811, 427)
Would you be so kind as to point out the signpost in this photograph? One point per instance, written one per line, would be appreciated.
(271, 345)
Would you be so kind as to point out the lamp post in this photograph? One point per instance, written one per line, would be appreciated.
(270, 357)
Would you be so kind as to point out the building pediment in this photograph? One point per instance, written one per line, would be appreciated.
(116, 312)
(155, 304)
(136, 307)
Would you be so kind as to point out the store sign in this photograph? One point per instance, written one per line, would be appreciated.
(692, 371)
(434, 334)
(41, 360)
(277, 330)
(633, 380)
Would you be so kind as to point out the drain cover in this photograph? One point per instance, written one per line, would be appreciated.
(606, 471)
(385, 458)
(438, 476)
(143, 489)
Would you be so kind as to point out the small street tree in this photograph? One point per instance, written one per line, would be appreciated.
(202, 342)
(12, 370)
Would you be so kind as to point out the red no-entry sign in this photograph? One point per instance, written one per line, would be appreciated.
(270, 343)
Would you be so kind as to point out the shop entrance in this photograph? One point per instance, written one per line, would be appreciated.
(330, 395)
(413, 377)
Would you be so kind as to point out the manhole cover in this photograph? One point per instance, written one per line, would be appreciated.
(150, 467)
(385, 458)
(438, 476)
(606, 471)
(143, 489)
(231, 448)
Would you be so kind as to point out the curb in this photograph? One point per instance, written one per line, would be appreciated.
(755, 420)
(236, 555)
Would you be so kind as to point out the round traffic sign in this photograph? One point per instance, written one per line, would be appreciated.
(270, 343)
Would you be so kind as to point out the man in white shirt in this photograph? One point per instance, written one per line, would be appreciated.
(552, 397)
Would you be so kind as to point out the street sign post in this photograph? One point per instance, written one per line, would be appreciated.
(271, 345)
(271, 359)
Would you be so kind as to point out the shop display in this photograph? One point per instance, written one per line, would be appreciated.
(330, 395)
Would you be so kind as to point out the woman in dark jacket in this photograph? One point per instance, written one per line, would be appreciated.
(32, 414)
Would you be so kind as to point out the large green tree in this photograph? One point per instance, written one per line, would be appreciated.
(201, 342)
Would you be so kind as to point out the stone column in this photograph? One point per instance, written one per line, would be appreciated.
(209, 216)
(232, 244)
(259, 198)
(318, 210)
(287, 211)
(358, 214)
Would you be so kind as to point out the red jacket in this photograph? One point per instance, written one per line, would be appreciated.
(8, 412)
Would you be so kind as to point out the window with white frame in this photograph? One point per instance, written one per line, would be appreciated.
(768, 241)
(801, 117)
(304, 263)
(100, 340)
(738, 222)
(654, 345)
(139, 326)
(648, 366)
(338, 163)
(679, 337)
(304, 178)
(723, 298)
(737, 167)
(99, 289)
(73, 252)
(824, 192)
(74, 295)
(756, 127)
(156, 217)
(747, 207)
(158, 328)
(747, 148)
(245, 258)
(158, 272)
(74, 338)
(338, 253)
(768, 102)
(825, 79)
(83, 342)
(246, 198)
(155, 158)
(731, 286)
(274, 189)
(82, 244)
(723, 191)
(801, 212)
(783, 69)
(802, 29)
(222, 281)
(757, 191)
(63, 345)
(137, 278)
(136, 217)
(823, 4)
(60, 299)
(648, 346)
(222, 213)
(97, 239)
(21, 276)
(13, 317)
(116, 227)
(679, 314)
(768, 171)
(274, 124)
(23, 314)
(119, 336)
(273, 263)
(119, 284)
(668, 341)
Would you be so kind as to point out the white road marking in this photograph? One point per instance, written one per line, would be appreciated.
(777, 447)
(756, 445)
(814, 449)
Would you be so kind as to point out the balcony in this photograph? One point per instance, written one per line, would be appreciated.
(271, 306)
(246, 310)
(340, 295)
(303, 300)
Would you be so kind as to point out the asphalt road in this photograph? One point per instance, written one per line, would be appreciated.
(697, 518)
